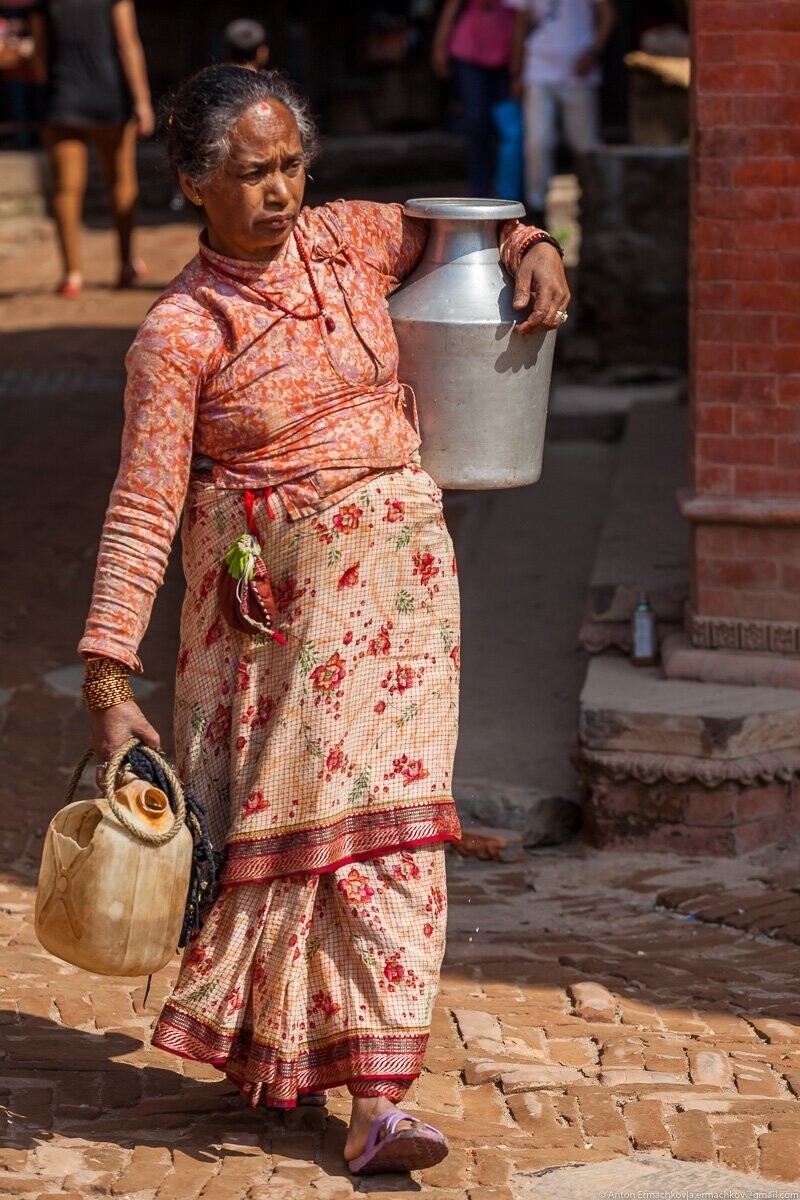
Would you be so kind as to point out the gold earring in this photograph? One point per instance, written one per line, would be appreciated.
(197, 200)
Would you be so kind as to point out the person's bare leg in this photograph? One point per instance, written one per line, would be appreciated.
(116, 149)
(67, 153)
(366, 1110)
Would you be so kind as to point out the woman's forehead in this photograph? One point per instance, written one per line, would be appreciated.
(263, 127)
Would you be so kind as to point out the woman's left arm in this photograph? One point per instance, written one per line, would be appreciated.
(38, 30)
(539, 276)
(131, 53)
(382, 237)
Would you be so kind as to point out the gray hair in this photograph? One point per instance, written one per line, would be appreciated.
(201, 113)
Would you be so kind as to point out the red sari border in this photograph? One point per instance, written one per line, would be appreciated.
(392, 1060)
(353, 838)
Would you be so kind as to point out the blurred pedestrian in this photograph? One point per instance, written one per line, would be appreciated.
(246, 44)
(90, 54)
(473, 39)
(555, 66)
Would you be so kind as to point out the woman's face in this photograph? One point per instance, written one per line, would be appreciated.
(253, 202)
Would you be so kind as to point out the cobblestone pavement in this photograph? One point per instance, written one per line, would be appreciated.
(595, 1008)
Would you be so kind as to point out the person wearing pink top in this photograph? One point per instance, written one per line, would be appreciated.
(316, 695)
(473, 38)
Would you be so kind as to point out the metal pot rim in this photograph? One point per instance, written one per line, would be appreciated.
(463, 208)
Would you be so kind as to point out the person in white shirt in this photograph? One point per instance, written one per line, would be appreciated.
(555, 67)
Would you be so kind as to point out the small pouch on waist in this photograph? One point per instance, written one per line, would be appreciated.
(245, 592)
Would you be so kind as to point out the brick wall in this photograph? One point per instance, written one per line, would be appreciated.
(745, 324)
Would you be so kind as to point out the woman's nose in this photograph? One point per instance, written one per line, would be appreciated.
(276, 188)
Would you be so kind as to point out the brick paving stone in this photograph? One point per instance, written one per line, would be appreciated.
(622, 1052)
(686, 897)
(500, 1192)
(736, 1144)
(691, 1136)
(478, 1071)
(775, 1031)
(537, 1114)
(645, 1122)
(475, 1024)
(593, 1001)
(729, 905)
(616, 1076)
(147, 1170)
(779, 1156)
(21, 1185)
(323, 1188)
(709, 1068)
(573, 1052)
(529, 1078)
(601, 1117)
(450, 1173)
(187, 1180)
(492, 1167)
(439, 1093)
(757, 1082)
(485, 1102)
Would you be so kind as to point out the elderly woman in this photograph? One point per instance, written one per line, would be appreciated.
(263, 403)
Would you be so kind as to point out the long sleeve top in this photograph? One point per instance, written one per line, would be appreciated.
(223, 380)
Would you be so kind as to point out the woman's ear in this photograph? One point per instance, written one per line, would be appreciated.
(189, 189)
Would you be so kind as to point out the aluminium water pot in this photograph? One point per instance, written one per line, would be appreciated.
(481, 389)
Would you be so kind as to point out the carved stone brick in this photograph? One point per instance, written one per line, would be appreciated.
(753, 635)
(724, 633)
(783, 638)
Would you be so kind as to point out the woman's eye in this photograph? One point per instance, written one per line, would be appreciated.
(293, 168)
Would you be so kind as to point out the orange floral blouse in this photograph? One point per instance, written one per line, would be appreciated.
(221, 380)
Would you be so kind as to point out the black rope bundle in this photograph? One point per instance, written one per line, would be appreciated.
(206, 861)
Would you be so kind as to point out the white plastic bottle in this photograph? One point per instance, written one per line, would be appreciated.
(644, 642)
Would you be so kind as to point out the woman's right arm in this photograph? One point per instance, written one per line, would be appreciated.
(165, 365)
(131, 53)
(440, 51)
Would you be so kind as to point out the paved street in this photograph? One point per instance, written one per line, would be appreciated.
(598, 1011)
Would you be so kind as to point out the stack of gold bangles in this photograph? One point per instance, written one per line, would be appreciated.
(105, 684)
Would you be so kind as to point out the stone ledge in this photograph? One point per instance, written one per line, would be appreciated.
(733, 510)
(626, 708)
(681, 660)
(704, 768)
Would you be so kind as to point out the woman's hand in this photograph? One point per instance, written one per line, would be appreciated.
(440, 58)
(112, 727)
(541, 280)
(145, 119)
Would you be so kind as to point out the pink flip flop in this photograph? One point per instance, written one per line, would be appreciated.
(409, 1149)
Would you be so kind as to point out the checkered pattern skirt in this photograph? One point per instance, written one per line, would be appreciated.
(325, 768)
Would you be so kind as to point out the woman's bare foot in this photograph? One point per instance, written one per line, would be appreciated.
(366, 1109)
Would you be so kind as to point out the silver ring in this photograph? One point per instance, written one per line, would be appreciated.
(562, 315)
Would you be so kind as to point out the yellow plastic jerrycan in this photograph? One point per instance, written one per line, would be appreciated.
(114, 878)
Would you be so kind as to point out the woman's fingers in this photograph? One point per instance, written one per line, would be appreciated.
(542, 282)
(147, 734)
(112, 727)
